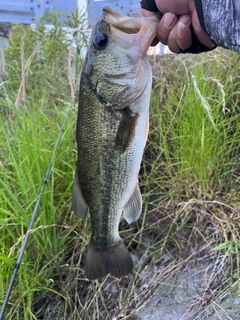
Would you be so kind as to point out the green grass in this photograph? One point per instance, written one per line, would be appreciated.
(189, 179)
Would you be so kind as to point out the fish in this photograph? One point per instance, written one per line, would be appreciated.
(111, 133)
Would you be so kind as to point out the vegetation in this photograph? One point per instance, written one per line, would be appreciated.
(189, 180)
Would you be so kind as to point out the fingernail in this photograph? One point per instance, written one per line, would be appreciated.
(169, 20)
(181, 29)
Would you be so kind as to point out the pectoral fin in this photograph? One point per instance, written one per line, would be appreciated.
(126, 129)
(80, 207)
(133, 208)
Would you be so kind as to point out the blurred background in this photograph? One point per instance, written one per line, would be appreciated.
(28, 12)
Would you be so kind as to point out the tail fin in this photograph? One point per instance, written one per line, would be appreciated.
(115, 260)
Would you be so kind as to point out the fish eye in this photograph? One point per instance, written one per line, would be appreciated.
(100, 40)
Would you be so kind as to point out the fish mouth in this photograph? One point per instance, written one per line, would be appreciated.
(128, 25)
(140, 30)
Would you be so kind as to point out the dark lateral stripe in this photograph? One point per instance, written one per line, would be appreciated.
(126, 129)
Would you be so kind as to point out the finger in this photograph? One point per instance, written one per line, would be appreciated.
(180, 39)
(172, 40)
(184, 35)
(165, 26)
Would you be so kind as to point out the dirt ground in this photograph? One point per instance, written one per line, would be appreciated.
(177, 298)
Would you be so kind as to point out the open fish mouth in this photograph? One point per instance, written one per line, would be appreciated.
(132, 26)
(126, 24)
(143, 29)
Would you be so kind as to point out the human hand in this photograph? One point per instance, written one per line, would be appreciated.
(179, 27)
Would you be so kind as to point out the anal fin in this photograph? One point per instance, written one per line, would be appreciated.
(80, 207)
(133, 208)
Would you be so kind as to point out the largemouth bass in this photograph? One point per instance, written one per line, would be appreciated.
(112, 129)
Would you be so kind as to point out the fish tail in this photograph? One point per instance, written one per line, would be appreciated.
(115, 260)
